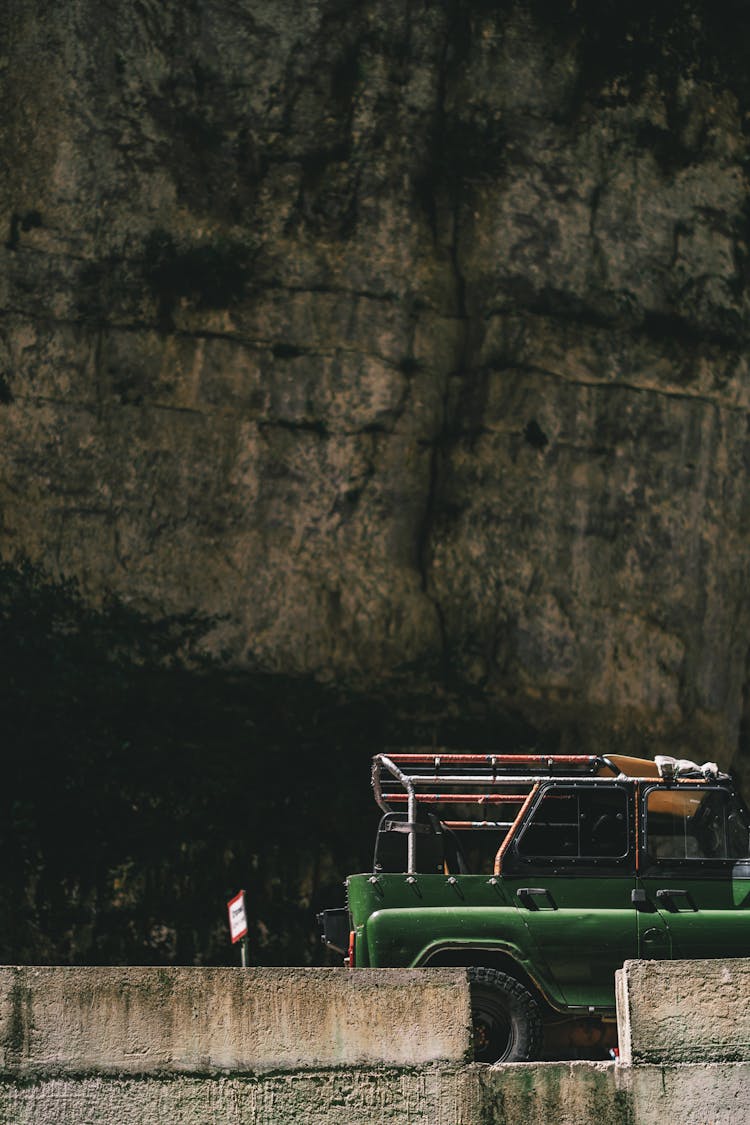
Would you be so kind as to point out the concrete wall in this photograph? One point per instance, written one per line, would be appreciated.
(283, 1046)
(684, 1032)
(684, 1011)
(679, 1094)
(345, 1097)
(522, 1094)
(145, 1021)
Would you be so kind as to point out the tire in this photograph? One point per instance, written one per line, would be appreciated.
(506, 1020)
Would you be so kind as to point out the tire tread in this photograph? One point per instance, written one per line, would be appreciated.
(529, 1045)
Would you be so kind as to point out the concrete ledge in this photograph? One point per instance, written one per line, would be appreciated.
(566, 1093)
(341, 1097)
(521, 1094)
(686, 1094)
(183, 1020)
(524, 1094)
(684, 1011)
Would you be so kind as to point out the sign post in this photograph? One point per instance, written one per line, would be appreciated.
(238, 925)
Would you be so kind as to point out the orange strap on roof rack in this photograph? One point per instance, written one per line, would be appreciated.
(460, 798)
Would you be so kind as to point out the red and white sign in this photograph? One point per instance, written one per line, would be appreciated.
(237, 917)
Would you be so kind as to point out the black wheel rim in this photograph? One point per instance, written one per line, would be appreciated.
(493, 1029)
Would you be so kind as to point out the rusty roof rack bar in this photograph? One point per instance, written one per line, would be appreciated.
(507, 779)
(462, 798)
(492, 759)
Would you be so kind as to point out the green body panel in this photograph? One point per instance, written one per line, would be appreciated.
(583, 929)
(402, 923)
(711, 919)
(390, 892)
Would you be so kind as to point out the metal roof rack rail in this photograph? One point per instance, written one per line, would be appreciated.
(466, 780)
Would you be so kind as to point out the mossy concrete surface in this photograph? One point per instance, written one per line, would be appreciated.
(431, 1095)
(205, 1020)
(517, 1094)
(684, 1093)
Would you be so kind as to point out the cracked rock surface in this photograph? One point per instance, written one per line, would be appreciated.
(402, 343)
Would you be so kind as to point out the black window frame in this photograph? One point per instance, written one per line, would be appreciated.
(515, 862)
(685, 865)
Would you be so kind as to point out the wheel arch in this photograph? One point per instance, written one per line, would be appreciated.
(488, 957)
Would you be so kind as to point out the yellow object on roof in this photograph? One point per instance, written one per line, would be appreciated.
(675, 802)
(634, 767)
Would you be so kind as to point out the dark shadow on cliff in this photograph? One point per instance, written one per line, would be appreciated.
(137, 795)
(142, 787)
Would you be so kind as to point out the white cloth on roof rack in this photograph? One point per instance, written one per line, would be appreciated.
(683, 767)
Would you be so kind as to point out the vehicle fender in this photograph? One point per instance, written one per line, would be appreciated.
(501, 955)
(415, 936)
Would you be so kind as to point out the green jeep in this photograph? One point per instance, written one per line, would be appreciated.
(542, 874)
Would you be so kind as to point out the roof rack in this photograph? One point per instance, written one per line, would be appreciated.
(492, 781)
(480, 780)
(475, 776)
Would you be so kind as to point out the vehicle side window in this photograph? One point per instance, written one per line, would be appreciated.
(577, 824)
(695, 824)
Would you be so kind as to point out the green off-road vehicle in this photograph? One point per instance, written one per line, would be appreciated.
(542, 874)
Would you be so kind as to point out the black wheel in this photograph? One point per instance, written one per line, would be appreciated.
(506, 1018)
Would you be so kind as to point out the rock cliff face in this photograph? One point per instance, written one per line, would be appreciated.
(401, 346)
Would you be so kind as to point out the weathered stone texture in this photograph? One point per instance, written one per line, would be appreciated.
(143, 1021)
(372, 1097)
(568, 1093)
(526, 1094)
(391, 340)
(696, 1094)
(684, 1011)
